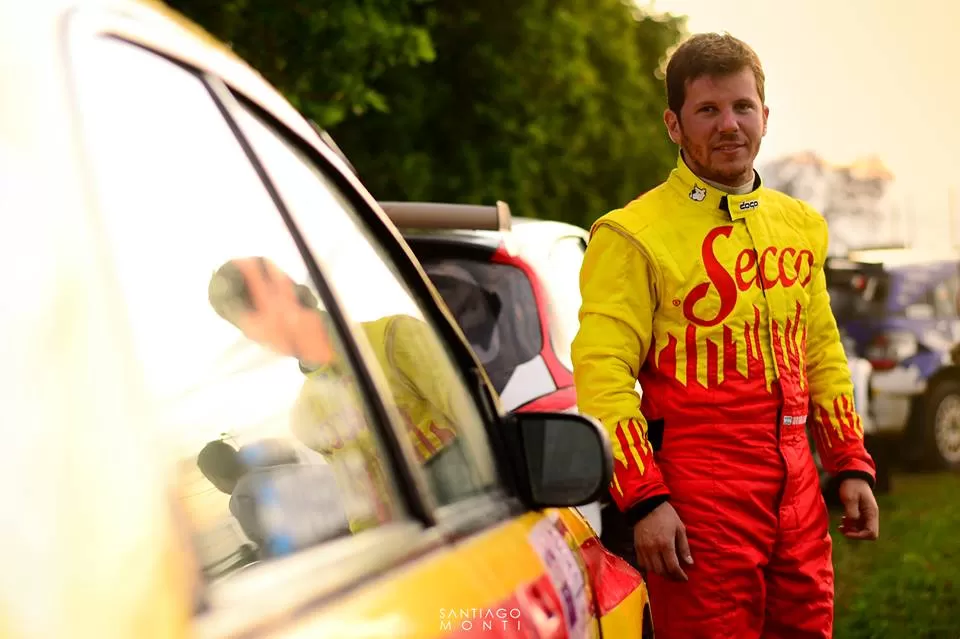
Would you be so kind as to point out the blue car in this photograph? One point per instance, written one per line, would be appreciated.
(902, 315)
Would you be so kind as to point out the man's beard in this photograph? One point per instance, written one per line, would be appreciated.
(730, 175)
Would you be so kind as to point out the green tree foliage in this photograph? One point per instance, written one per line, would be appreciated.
(554, 106)
(551, 105)
(324, 55)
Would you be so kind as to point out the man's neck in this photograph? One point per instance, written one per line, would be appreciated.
(743, 189)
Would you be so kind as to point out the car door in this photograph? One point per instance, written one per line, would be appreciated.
(225, 316)
(334, 530)
(531, 578)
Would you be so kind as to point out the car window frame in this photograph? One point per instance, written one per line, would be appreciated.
(472, 515)
(389, 547)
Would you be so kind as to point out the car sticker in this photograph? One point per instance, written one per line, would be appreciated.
(575, 549)
(565, 574)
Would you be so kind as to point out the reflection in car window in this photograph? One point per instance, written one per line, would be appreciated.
(438, 414)
(222, 313)
(563, 288)
(496, 309)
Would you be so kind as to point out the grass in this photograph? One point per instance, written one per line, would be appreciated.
(906, 584)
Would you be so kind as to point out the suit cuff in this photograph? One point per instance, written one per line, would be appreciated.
(856, 474)
(641, 509)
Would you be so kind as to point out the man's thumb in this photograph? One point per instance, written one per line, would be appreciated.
(683, 546)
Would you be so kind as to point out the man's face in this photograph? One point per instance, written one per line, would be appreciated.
(270, 309)
(288, 329)
(720, 126)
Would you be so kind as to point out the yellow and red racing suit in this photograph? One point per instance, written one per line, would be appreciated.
(718, 305)
(329, 417)
(421, 393)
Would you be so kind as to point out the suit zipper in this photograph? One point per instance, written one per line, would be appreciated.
(777, 430)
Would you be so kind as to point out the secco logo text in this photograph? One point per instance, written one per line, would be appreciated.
(767, 269)
(749, 204)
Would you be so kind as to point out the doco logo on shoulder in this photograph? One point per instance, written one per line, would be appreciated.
(749, 204)
(767, 269)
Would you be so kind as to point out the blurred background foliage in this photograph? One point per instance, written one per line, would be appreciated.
(554, 106)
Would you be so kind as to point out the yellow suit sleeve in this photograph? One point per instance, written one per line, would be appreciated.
(618, 285)
(837, 428)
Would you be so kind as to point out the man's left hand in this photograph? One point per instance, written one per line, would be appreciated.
(861, 518)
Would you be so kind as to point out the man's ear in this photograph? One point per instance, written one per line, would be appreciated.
(672, 120)
(766, 115)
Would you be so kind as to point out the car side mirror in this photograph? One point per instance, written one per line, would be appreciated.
(562, 459)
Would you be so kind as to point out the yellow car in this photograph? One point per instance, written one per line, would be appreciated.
(234, 405)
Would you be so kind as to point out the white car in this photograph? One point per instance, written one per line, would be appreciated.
(512, 284)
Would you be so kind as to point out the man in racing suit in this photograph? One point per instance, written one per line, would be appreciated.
(710, 291)
(271, 309)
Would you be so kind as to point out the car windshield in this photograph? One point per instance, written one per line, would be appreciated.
(496, 309)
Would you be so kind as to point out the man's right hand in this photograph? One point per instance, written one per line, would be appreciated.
(660, 539)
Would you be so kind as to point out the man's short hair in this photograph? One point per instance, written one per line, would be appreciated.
(709, 54)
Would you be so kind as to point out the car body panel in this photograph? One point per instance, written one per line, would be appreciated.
(498, 571)
(477, 610)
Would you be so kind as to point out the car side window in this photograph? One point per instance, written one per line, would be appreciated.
(495, 307)
(563, 286)
(438, 414)
(248, 385)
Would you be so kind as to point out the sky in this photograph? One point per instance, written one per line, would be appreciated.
(850, 78)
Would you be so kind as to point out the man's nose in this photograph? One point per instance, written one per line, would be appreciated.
(728, 121)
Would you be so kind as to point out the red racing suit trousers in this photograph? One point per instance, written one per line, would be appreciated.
(760, 542)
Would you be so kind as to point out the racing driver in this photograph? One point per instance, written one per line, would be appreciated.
(709, 290)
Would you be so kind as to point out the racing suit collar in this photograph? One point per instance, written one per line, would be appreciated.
(713, 199)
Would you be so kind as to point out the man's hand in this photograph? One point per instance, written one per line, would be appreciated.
(661, 542)
(861, 518)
